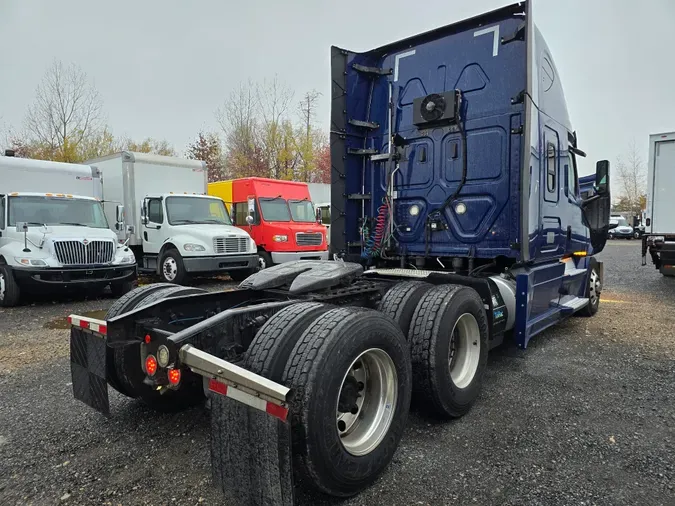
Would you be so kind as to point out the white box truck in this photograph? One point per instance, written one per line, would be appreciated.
(659, 236)
(54, 234)
(159, 204)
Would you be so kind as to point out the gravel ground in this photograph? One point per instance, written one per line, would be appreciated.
(585, 416)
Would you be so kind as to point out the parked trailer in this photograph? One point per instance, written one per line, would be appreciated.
(659, 236)
(457, 223)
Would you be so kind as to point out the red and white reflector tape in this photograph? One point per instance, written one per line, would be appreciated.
(92, 324)
(270, 408)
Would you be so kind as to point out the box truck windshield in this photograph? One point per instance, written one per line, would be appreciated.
(192, 210)
(38, 210)
(278, 209)
(302, 211)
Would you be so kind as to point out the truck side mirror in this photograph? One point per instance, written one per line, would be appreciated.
(249, 220)
(21, 226)
(319, 217)
(144, 213)
(119, 218)
(602, 177)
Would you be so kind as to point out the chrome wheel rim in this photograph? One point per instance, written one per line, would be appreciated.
(464, 355)
(2, 286)
(594, 289)
(367, 401)
(170, 269)
(261, 263)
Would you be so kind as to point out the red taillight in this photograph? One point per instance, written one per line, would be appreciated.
(147, 338)
(150, 365)
(174, 376)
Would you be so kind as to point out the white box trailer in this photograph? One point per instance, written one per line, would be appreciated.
(159, 204)
(659, 238)
(53, 231)
(320, 195)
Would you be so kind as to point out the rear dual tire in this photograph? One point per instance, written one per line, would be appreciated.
(335, 360)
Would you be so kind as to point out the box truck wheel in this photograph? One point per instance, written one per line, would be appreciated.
(264, 260)
(401, 300)
(449, 343)
(9, 289)
(350, 375)
(171, 267)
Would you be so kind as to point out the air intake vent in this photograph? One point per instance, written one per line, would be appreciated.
(230, 245)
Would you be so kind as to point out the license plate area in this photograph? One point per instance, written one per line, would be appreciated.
(88, 369)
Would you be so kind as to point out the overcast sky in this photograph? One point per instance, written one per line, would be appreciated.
(162, 67)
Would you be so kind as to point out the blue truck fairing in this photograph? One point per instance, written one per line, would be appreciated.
(512, 110)
(454, 149)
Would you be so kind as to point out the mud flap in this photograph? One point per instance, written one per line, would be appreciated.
(250, 454)
(88, 369)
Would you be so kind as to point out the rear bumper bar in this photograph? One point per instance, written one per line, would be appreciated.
(88, 350)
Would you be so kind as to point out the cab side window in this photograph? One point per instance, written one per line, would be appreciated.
(240, 213)
(571, 178)
(155, 213)
(551, 168)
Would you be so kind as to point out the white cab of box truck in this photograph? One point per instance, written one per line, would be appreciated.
(54, 235)
(659, 219)
(159, 204)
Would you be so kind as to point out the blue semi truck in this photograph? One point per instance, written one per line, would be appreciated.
(457, 223)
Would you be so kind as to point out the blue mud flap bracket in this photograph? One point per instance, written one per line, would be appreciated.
(88, 362)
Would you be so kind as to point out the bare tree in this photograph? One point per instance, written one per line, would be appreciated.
(67, 110)
(311, 139)
(273, 100)
(632, 175)
(237, 118)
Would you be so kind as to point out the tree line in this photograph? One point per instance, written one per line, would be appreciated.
(263, 132)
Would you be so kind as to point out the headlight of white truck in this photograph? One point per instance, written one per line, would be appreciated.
(193, 247)
(252, 246)
(30, 262)
(124, 257)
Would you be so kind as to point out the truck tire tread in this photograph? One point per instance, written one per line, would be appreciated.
(12, 290)
(334, 339)
(401, 300)
(273, 343)
(433, 389)
(267, 355)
